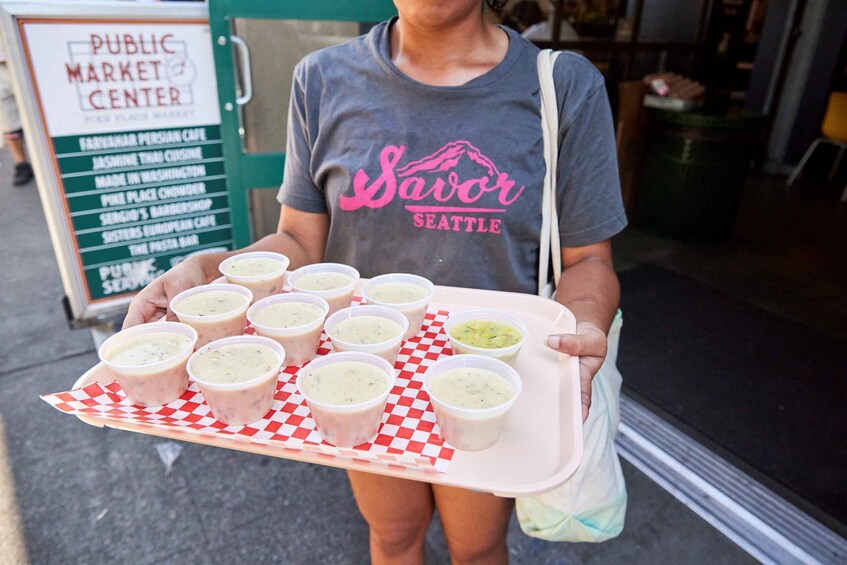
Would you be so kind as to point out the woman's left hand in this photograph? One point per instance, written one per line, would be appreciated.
(589, 344)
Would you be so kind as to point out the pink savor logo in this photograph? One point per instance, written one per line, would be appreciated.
(433, 191)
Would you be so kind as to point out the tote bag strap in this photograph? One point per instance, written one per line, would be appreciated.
(549, 238)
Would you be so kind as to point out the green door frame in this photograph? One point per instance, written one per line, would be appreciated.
(246, 171)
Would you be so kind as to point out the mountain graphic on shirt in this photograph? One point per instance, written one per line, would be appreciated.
(448, 158)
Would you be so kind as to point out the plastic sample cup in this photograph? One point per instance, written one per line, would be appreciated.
(163, 378)
(300, 340)
(263, 272)
(507, 354)
(333, 282)
(347, 424)
(408, 294)
(471, 429)
(386, 345)
(243, 401)
(225, 319)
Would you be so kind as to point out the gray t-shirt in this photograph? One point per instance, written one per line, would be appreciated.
(446, 182)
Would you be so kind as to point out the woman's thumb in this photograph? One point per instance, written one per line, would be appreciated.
(572, 344)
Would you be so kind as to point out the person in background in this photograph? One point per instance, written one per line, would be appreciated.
(396, 141)
(524, 15)
(10, 125)
(543, 31)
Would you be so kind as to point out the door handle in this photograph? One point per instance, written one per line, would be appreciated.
(246, 70)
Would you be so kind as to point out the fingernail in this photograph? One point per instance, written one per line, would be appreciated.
(554, 341)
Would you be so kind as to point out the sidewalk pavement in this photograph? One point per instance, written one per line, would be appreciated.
(92, 495)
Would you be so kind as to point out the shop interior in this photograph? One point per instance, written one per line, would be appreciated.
(735, 254)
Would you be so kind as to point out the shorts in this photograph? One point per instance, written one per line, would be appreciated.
(10, 120)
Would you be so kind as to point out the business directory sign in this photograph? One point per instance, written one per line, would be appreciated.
(130, 111)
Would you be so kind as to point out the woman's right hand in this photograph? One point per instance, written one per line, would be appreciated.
(151, 304)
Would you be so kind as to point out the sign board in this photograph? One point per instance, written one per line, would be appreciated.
(129, 112)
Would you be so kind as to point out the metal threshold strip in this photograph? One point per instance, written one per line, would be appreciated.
(758, 520)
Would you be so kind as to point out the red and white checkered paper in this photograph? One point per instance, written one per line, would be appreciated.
(408, 437)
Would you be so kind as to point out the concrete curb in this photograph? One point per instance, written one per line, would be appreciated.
(12, 543)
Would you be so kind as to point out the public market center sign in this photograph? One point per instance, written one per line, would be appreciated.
(131, 114)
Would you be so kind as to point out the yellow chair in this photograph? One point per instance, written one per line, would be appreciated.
(834, 130)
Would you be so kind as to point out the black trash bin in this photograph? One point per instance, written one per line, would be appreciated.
(695, 168)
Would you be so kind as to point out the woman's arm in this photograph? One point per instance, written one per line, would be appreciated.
(589, 288)
(301, 236)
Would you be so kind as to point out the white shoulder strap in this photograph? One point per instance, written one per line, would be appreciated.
(549, 211)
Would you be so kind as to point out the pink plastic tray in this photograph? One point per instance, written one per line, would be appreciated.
(539, 449)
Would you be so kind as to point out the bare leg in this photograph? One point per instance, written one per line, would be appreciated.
(475, 524)
(16, 148)
(398, 512)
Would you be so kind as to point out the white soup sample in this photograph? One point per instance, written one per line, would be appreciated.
(149, 349)
(363, 330)
(471, 387)
(252, 267)
(235, 363)
(288, 315)
(211, 303)
(323, 281)
(345, 383)
(397, 293)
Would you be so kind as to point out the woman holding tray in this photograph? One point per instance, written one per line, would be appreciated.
(418, 148)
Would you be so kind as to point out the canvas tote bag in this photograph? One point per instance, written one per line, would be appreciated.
(591, 505)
